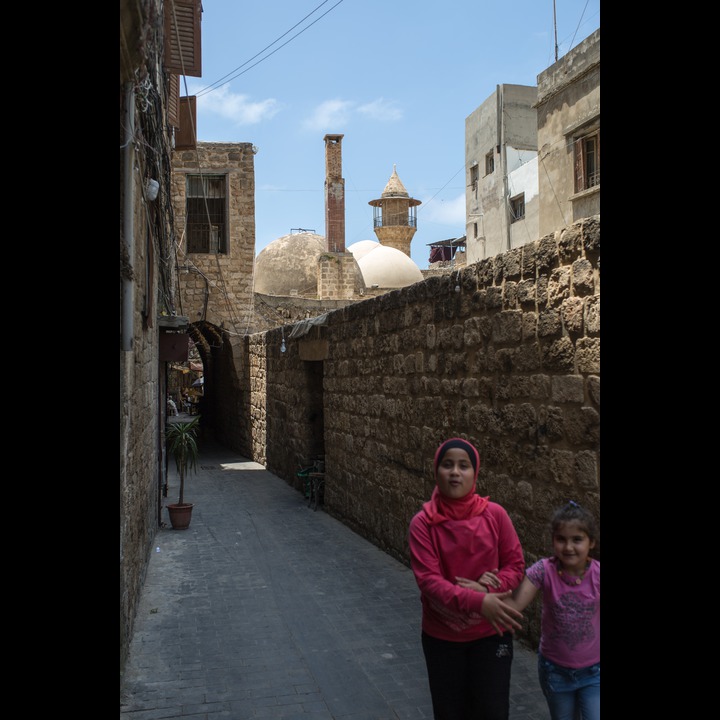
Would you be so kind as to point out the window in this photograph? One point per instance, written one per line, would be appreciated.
(475, 229)
(517, 207)
(489, 163)
(206, 224)
(474, 174)
(587, 161)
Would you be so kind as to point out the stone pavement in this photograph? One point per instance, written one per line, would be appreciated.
(264, 608)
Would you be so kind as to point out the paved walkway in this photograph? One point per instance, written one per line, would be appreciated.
(264, 608)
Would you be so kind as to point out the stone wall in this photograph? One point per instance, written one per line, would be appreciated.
(510, 360)
(227, 275)
(145, 294)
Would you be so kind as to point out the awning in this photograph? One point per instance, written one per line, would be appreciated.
(452, 242)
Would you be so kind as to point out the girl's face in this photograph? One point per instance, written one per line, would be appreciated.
(455, 474)
(571, 546)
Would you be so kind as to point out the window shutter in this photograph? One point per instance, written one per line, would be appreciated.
(186, 137)
(182, 37)
(579, 166)
(597, 160)
(174, 101)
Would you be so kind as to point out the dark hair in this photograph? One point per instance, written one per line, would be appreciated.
(572, 512)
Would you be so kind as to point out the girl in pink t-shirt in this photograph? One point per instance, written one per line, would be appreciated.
(569, 652)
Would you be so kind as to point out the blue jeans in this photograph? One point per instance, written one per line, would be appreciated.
(571, 693)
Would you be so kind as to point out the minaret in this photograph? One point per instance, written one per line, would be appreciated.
(334, 195)
(395, 218)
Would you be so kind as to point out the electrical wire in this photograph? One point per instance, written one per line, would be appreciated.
(217, 84)
(221, 279)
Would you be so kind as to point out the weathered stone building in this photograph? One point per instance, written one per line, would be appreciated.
(150, 327)
(568, 136)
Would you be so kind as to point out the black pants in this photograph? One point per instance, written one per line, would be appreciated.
(469, 680)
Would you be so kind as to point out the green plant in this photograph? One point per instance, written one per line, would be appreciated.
(182, 445)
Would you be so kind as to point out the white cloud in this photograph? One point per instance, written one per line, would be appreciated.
(380, 109)
(336, 113)
(237, 108)
(328, 114)
(444, 212)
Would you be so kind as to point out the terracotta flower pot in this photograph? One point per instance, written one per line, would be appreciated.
(180, 515)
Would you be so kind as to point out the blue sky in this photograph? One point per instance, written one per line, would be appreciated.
(396, 77)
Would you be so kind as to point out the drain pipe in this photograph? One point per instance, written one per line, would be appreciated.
(128, 219)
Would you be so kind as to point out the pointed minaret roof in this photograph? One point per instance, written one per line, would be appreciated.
(394, 187)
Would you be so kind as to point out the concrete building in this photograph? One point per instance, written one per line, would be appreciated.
(501, 197)
(516, 193)
(568, 132)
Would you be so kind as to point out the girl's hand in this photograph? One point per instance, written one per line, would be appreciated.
(490, 579)
(485, 583)
(501, 615)
(472, 584)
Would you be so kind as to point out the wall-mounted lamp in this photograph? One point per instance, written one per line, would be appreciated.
(152, 188)
(282, 344)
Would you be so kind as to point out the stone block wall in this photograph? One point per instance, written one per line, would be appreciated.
(339, 277)
(510, 361)
(139, 473)
(228, 274)
(140, 419)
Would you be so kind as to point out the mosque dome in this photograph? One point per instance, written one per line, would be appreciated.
(362, 247)
(288, 265)
(388, 267)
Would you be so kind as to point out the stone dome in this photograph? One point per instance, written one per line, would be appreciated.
(288, 265)
(387, 267)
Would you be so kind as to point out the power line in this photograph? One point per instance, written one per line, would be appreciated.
(217, 84)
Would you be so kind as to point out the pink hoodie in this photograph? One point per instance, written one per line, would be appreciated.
(443, 548)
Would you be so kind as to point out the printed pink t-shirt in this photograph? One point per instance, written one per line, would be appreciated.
(570, 633)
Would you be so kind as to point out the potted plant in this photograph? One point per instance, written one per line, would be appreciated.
(182, 445)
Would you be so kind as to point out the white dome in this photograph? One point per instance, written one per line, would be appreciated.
(387, 267)
(362, 247)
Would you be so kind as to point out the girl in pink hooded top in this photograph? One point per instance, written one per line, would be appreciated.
(467, 626)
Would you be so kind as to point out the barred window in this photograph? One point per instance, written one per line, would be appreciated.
(206, 223)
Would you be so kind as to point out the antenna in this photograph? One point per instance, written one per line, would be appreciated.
(555, 28)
